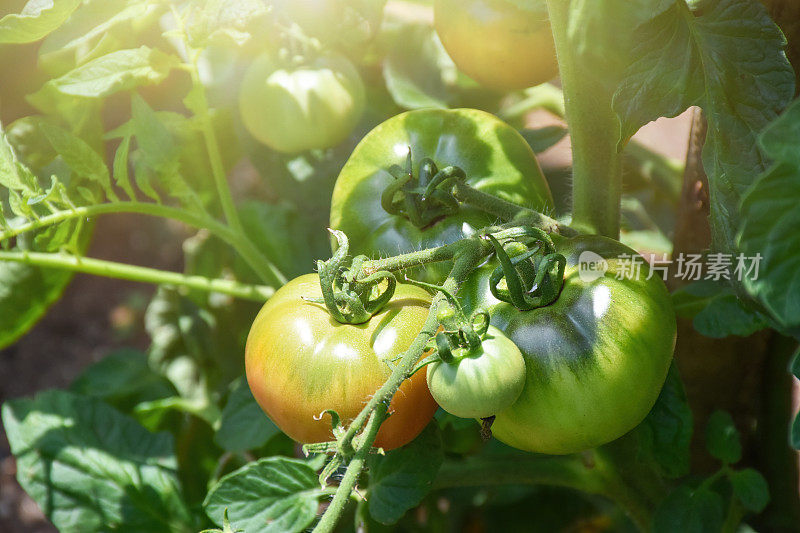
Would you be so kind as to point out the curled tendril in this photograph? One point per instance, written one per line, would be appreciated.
(423, 198)
(534, 277)
(350, 297)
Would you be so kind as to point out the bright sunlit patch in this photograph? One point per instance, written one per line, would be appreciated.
(401, 149)
(385, 340)
(601, 299)
(343, 351)
(303, 330)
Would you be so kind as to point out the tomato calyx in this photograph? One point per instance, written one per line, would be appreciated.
(460, 336)
(350, 296)
(531, 271)
(422, 198)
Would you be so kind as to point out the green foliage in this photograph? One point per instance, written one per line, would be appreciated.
(715, 311)
(271, 495)
(243, 425)
(769, 219)
(399, 480)
(722, 439)
(36, 20)
(667, 431)
(91, 468)
(739, 86)
(135, 113)
(690, 510)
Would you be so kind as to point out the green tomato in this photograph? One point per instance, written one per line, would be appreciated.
(498, 44)
(291, 109)
(481, 384)
(494, 156)
(300, 362)
(595, 359)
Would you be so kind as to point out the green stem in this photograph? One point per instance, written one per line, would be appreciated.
(593, 126)
(350, 478)
(508, 211)
(413, 259)
(466, 260)
(260, 264)
(212, 147)
(110, 269)
(201, 110)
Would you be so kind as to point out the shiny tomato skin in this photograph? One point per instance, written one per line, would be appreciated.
(596, 358)
(482, 384)
(311, 106)
(498, 44)
(494, 156)
(300, 361)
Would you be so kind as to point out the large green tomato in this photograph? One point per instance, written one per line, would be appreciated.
(291, 109)
(494, 156)
(300, 361)
(596, 358)
(480, 384)
(496, 43)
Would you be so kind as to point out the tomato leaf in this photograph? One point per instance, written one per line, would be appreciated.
(419, 72)
(722, 438)
(91, 468)
(95, 29)
(751, 489)
(122, 379)
(37, 19)
(244, 426)
(186, 347)
(78, 155)
(399, 480)
(727, 57)
(667, 431)
(540, 139)
(716, 311)
(272, 495)
(689, 510)
(769, 221)
(118, 71)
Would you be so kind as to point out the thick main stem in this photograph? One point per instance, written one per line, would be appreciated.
(111, 269)
(593, 127)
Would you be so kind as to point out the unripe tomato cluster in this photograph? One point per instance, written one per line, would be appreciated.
(558, 379)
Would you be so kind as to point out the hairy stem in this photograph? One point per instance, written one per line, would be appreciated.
(596, 164)
(111, 269)
(508, 211)
(468, 258)
(267, 271)
(340, 497)
(413, 259)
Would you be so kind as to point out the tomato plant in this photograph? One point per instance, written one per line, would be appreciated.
(514, 249)
(499, 44)
(595, 359)
(292, 108)
(482, 383)
(493, 155)
(300, 362)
